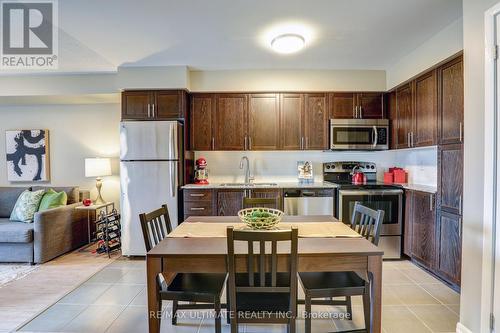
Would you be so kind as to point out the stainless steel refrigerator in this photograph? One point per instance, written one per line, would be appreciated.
(150, 155)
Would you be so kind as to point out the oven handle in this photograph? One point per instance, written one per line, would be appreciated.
(370, 192)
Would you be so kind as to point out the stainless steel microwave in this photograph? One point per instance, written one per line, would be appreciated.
(359, 134)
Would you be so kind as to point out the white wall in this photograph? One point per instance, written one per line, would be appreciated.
(441, 46)
(76, 132)
(288, 80)
(282, 166)
(472, 243)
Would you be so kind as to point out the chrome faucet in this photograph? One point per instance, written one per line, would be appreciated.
(248, 178)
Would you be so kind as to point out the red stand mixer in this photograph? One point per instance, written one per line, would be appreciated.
(201, 172)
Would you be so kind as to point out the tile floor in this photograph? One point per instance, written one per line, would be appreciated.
(114, 301)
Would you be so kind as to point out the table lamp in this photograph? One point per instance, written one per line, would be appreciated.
(98, 167)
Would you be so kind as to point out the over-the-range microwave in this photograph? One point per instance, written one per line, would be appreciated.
(359, 134)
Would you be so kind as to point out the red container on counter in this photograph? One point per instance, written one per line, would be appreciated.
(400, 176)
(388, 177)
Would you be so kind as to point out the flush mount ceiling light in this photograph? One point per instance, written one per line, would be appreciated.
(288, 43)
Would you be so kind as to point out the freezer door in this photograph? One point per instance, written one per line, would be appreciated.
(145, 186)
(149, 140)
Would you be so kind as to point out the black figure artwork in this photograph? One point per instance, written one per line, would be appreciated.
(27, 150)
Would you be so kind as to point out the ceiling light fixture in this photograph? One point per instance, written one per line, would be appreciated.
(288, 43)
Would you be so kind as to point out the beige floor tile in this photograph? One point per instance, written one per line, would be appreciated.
(399, 319)
(395, 276)
(390, 296)
(443, 293)
(419, 276)
(12, 317)
(454, 307)
(413, 295)
(437, 317)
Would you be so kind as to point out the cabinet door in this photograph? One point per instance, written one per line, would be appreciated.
(316, 122)
(371, 105)
(423, 230)
(169, 104)
(404, 116)
(393, 119)
(202, 118)
(450, 247)
(292, 121)
(136, 105)
(407, 237)
(450, 178)
(229, 202)
(451, 111)
(426, 110)
(343, 105)
(263, 122)
(269, 193)
(231, 122)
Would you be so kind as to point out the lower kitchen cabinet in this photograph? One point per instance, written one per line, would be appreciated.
(450, 247)
(229, 202)
(423, 228)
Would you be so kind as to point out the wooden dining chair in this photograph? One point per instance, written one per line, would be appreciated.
(262, 294)
(259, 202)
(183, 287)
(328, 285)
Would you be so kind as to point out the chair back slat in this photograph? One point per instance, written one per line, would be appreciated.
(274, 262)
(259, 202)
(251, 282)
(367, 222)
(155, 226)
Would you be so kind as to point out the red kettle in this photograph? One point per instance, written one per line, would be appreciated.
(358, 177)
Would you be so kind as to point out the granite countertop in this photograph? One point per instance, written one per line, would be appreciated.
(421, 188)
(257, 185)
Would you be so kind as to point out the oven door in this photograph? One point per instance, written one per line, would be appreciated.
(389, 200)
(363, 137)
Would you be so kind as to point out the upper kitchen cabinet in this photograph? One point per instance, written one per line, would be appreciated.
(404, 116)
(346, 105)
(136, 105)
(426, 114)
(153, 104)
(393, 113)
(451, 107)
(292, 121)
(316, 122)
(231, 122)
(450, 175)
(202, 114)
(263, 122)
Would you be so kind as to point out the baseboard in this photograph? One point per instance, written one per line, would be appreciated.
(462, 329)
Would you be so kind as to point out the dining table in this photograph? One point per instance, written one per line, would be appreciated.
(198, 245)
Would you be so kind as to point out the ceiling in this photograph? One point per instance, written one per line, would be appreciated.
(234, 34)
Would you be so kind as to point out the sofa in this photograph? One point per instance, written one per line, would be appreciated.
(53, 232)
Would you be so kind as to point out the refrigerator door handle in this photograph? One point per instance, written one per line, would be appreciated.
(173, 141)
(173, 179)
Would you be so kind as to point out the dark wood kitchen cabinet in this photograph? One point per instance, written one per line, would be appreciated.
(231, 122)
(371, 105)
(343, 105)
(229, 201)
(316, 122)
(198, 202)
(263, 122)
(292, 121)
(404, 118)
(451, 97)
(426, 111)
(202, 114)
(423, 228)
(365, 105)
(449, 251)
(153, 104)
(450, 178)
(392, 113)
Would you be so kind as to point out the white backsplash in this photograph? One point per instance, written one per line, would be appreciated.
(281, 166)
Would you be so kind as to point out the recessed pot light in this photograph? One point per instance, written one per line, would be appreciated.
(288, 43)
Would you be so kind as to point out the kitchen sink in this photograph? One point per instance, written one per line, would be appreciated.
(247, 184)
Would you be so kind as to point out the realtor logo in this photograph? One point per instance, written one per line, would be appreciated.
(29, 34)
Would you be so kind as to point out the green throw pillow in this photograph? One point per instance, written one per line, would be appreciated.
(26, 206)
(53, 199)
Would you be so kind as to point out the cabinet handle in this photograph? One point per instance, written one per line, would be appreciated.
(408, 139)
(245, 143)
(431, 202)
(354, 112)
(302, 143)
(196, 194)
(360, 112)
(149, 110)
(411, 137)
(249, 142)
(153, 110)
(213, 143)
(461, 131)
(197, 208)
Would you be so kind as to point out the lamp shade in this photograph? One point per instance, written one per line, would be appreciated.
(97, 167)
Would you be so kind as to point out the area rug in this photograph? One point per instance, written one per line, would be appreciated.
(12, 272)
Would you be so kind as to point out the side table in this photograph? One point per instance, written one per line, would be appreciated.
(95, 209)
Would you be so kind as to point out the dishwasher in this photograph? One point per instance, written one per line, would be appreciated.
(309, 201)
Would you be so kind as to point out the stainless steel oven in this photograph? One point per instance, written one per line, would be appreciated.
(359, 134)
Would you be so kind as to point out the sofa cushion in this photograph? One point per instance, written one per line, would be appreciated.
(14, 232)
(73, 192)
(8, 198)
(53, 199)
(26, 206)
